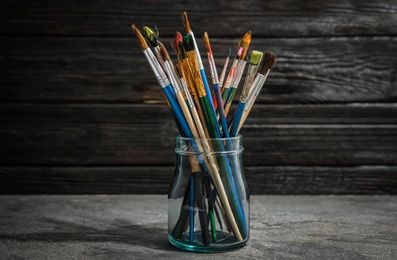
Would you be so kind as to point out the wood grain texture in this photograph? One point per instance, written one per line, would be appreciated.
(145, 135)
(265, 18)
(309, 70)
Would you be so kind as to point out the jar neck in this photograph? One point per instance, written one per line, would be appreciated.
(215, 146)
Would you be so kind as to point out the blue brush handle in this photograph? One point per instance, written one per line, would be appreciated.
(237, 119)
(208, 92)
(221, 110)
(169, 93)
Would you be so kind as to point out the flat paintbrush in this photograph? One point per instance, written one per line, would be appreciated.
(255, 61)
(269, 60)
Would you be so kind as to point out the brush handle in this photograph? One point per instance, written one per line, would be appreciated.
(234, 128)
(191, 210)
(221, 111)
(239, 72)
(198, 190)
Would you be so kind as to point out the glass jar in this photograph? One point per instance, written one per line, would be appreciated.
(208, 200)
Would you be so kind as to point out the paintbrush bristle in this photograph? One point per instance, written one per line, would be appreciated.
(245, 42)
(163, 52)
(269, 60)
(186, 22)
(179, 45)
(207, 42)
(188, 43)
(256, 57)
(178, 39)
(141, 39)
(151, 35)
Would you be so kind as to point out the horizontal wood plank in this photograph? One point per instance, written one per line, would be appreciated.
(308, 70)
(277, 18)
(145, 135)
(156, 180)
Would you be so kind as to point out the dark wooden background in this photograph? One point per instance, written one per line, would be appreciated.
(81, 112)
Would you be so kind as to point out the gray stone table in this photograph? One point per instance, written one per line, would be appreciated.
(135, 227)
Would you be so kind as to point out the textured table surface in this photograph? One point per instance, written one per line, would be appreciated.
(135, 227)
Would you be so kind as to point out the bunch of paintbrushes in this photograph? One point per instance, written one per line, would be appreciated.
(201, 114)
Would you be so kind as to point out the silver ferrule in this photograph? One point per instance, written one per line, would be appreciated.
(157, 69)
(187, 93)
(239, 73)
(255, 82)
(171, 75)
(256, 88)
(214, 74)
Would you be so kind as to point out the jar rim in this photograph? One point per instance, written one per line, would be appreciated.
(225, 146)
(239, 137)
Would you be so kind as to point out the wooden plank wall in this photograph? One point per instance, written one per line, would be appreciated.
(81, 112)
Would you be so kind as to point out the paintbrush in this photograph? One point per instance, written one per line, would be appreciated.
(152, 36)
(163, 81)
(255, 61)
(269, 60)
(215, 82)
(222, 77)
(245, 42)
(240, 55)
(209, 116)
(199, 61)
(187, 74)
(167, 88)
(224, 69)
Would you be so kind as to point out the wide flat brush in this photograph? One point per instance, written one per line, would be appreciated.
(269, 60)
(255, 60)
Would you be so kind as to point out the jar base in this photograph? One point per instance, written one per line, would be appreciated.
(224, 243)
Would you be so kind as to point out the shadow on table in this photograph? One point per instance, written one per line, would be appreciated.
(120, 232)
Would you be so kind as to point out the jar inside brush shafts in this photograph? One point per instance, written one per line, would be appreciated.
(208, 200)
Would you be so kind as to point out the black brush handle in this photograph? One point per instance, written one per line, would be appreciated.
(198, 190)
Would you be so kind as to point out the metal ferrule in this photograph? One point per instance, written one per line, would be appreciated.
(239, 73)
(186, 90)
(256, 88)
(156, 67)
(260, 85)
(171, 75)
(245, 97)
(214, 75)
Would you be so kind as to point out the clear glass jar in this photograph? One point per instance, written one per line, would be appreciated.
(208, 200)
